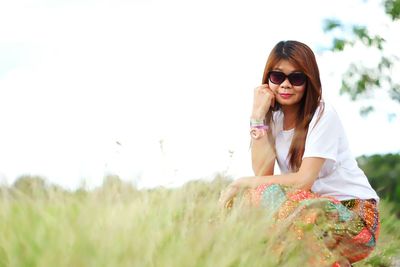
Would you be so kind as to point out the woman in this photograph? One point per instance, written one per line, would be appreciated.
(320, 181)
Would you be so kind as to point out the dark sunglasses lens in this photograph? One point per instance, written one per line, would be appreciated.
(277, 77)
(297, 79)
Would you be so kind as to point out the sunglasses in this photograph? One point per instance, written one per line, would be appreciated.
(295, 78)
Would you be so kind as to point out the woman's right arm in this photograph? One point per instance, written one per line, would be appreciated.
(262, 157)
(262, 152)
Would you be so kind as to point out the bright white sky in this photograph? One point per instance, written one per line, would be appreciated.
(76, 77)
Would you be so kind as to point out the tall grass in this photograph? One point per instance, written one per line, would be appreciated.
(118, 225)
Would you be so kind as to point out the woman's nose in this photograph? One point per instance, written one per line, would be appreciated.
(286, 83)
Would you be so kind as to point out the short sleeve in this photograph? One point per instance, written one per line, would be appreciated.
(323, 135)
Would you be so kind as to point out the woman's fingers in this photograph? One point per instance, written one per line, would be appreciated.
(264, 98)
(262, 89)
(226, 198)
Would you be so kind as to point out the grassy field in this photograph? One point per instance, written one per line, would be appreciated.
(118, 225)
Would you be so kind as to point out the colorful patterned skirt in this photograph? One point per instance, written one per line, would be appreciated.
(339, 232)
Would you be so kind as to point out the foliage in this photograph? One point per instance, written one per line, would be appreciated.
(392, 8)
(383, 172)
(359, 81)
(118, 225)
(33, 186)
(30, 184)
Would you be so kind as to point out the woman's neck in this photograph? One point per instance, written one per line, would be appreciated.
(290, 116)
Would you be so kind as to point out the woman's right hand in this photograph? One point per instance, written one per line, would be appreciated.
(264, 98)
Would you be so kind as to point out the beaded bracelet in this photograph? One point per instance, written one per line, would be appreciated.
(257, 122)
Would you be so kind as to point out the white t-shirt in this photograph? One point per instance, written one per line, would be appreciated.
(340, 176)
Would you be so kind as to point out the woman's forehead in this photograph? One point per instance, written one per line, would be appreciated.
(286, 65)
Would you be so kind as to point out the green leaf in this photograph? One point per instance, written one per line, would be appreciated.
(330, 24)
(364, 111)
(345, 88)
(378, 41)
(338, 44)
(395, 92)
(360, 31)
(385, 63)
(392, 8)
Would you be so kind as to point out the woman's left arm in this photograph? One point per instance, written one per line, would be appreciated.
(302, 179)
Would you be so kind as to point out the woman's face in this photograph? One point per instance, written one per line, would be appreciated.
(286, 93)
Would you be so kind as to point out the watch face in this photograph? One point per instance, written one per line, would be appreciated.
(257, 133)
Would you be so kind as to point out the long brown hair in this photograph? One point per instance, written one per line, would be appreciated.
(303, 58)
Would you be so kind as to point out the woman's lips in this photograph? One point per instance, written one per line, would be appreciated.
(285, 96)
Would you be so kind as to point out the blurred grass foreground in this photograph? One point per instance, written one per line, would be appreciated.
(119, 225)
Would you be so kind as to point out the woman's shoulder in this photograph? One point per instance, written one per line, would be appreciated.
(325, 109)
(325, 114)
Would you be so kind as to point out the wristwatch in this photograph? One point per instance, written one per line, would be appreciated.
(257, 132)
